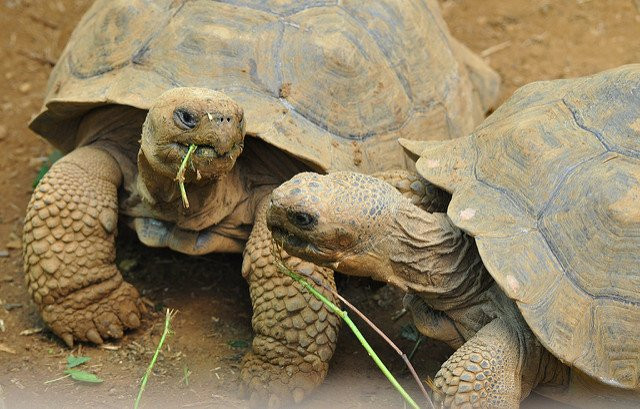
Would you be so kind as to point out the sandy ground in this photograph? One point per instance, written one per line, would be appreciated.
(524, 40)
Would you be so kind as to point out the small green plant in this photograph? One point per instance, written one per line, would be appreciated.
(165, 334)
(238, 343)
(180, 176)
(77, 374)
(185, 377)
(411, 333)
(51, 159)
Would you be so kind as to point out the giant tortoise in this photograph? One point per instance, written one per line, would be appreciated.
(315, 85)
(547, 295)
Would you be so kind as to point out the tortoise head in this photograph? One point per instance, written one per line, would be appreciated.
(181, 117)
(339, 220)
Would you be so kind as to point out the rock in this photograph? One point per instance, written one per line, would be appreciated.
(24, 87)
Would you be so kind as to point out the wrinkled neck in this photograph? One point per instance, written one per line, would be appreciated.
(435, 258)
(160, 190)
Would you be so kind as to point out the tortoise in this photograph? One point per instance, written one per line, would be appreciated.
(264, 90)
(546, 296)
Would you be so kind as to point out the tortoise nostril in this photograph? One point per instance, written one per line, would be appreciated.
(302, 220)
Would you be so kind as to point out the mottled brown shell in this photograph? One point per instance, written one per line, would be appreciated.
(333, 82)
(550, 187)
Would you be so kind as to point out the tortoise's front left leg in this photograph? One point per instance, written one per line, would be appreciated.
(69, 250)
(295, 333)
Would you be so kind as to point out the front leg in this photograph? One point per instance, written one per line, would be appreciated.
(487, 371)
(417, 189)
(69, 250)
(295, 332)
(431, 323)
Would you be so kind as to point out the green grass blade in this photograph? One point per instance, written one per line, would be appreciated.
(354, 329)
(165, 333)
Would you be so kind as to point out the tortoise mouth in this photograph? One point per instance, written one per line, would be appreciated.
(207, 151)
(300, 247)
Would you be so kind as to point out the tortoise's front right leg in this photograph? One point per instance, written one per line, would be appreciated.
(491, 370)
(69, 250)
(417, 189)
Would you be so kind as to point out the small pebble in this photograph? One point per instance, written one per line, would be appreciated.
(24, 87)
(14, 244)
(3, 132)
(4, 253)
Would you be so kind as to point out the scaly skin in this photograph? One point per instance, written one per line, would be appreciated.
(417, 189)
(294, 330)
(484, 372)
(69, 250)
(361, 226)
(70, 231)
(432, 323)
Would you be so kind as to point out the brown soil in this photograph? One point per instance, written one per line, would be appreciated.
(524, 40)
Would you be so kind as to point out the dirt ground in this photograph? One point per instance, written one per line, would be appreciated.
(524, 40)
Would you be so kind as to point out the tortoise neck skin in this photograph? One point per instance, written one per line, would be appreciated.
(161, 191)
(362, 226)
(434, 258)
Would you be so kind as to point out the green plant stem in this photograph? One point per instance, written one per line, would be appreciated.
(345, 317)
(165, 333)
(180, 176)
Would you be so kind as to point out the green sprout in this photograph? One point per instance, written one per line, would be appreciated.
(180, 176)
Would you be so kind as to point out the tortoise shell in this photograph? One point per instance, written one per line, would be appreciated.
(334, 83)
(549, 185)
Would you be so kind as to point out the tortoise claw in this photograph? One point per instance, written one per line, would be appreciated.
(68, 339)
(298, 395)
(115, 331)
(134, 321)
(93, 336)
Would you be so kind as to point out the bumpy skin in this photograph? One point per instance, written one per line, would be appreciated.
(432, 323)
(417, 189)
(484, 372)
(294, 330)
(69, 252)
(361, 226)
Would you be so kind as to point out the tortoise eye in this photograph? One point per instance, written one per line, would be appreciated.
(302, 220)
(185, 119)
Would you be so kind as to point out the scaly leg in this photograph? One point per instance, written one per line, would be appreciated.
(486, 372)
(431, 323)
(295, 332)
(417, 189)
(69, 253)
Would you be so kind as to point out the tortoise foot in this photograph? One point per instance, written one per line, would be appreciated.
(484, 372)
(96, 313)
(281, 377)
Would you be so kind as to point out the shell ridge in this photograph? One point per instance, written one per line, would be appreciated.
(491, 122)
(578, 120)
(376, 37)
(563, 179)
(291, 12)
(509, 195)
